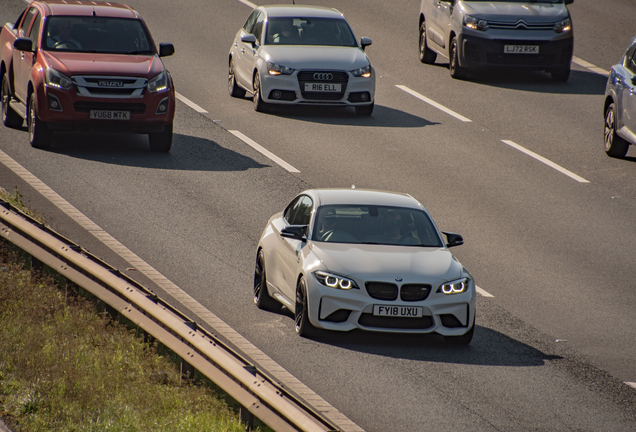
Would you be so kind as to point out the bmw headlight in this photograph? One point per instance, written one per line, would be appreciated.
(335, 281)
(364, 72)
(563, 26)
(158, 83)
(275, 69)
(475, 23)
(57, 79)
(454, 287)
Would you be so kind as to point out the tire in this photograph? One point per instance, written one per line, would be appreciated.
(259, 104)
(365, 110)
(161, 142)
(234, 89)
(456, 71)
(560, 75)
(427, 55)
(40, 136)
(262, 298)
(464, 339)
(10, 118)
(304, 328)
(615, 146)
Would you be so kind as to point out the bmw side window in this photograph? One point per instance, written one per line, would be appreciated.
(291, 210)
(303, 214)
(258, 28)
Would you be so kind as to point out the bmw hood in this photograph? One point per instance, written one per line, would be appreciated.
(531, 12)
(386, 263)
(316, 57)
(70, 64)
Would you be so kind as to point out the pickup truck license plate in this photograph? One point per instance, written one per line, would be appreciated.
(109, 115)
(521, 49)
(321, 87)
(397, 311)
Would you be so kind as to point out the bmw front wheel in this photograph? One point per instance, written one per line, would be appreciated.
(304, 328)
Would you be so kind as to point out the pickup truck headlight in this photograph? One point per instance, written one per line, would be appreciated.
(364, 72)
(475, 23)
(57, 79)
(158, 83)
(563, 26)
(275, 69)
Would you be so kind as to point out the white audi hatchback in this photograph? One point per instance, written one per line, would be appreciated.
(301, 55)
(344, 259)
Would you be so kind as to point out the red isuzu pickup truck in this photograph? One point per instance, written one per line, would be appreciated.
(83, 65)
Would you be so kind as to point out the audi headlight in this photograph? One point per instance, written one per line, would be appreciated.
(57, 79)
(563, 26)
(454, 287)
(364, 72)
(158, 83)
(335, 281)
(475, 23)
(275, 69)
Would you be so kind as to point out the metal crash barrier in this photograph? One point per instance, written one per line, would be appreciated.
(258, 395)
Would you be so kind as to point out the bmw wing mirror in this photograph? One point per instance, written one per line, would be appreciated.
(453, 239)
(365, 42)
(166, 49)
(296, 232)
(250, 39)
(23, 44)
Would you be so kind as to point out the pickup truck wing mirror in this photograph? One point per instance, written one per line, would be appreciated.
(23, 44)
(296, 232)
(166, 49)
(365, 42)
(453, 239)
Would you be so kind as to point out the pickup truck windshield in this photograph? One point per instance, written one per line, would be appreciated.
(96, 35)
(309, 31)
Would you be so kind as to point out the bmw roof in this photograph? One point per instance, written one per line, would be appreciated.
(362, 197)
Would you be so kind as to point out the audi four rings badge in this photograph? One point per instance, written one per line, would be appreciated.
(323, 76)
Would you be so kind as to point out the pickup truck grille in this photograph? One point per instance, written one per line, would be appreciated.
(110, 86)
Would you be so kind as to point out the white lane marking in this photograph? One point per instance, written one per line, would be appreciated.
(433, 103)
(263, 151)
(248, 3)
(483, 293)
(191, 104)
(219, 326)
(590, 66)
(631, 384)
(545, 161)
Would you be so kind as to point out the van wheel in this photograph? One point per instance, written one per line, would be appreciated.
(456, 71)
(161, 142)
(427, 55)
(10, 118)
(560, 75)
(40, 136)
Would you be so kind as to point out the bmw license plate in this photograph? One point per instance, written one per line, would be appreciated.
(521, 49)
(321, 87)
(109, 115)
(397, 311)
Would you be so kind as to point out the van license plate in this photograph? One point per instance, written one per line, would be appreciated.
(521, 49)
(109, 115)
(397, 311)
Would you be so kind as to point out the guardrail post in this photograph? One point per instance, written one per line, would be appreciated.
(247, 418)
(36, 268)
(187, 371)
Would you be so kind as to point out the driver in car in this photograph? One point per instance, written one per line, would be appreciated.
(63, 38)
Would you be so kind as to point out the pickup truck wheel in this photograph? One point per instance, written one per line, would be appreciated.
(235, 90)
(427, 55)
(456, 71)
(10, 118)
(259, 104)
(615, 146)
(161, 142)
(40, 135)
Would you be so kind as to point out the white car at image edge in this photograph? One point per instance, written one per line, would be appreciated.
(306, 55)
(344, 259)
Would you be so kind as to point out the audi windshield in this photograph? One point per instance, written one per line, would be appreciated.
(309, 31)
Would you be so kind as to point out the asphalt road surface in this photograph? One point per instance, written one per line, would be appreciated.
(549, 221)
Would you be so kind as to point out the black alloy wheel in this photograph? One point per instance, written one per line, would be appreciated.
(10, 118)
(456, 71)
(615, 146)
(259, 104)
(427, 55)
(40, 135)
(304, 328)
(560, 75)
(464, 339)
(234, 89)
(262, 298)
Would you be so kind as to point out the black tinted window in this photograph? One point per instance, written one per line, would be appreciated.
(299, 212)
(309, 31)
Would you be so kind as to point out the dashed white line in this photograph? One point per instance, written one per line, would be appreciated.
(545, 161)
(590, 66)
(191, 104)
(250, 142)
(433, 103)
(248, 3)
(631, 384)
(483, 292)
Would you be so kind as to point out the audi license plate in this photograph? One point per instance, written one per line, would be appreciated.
(320, 87)
(109, 115)
(397, 311)
(521, 49)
